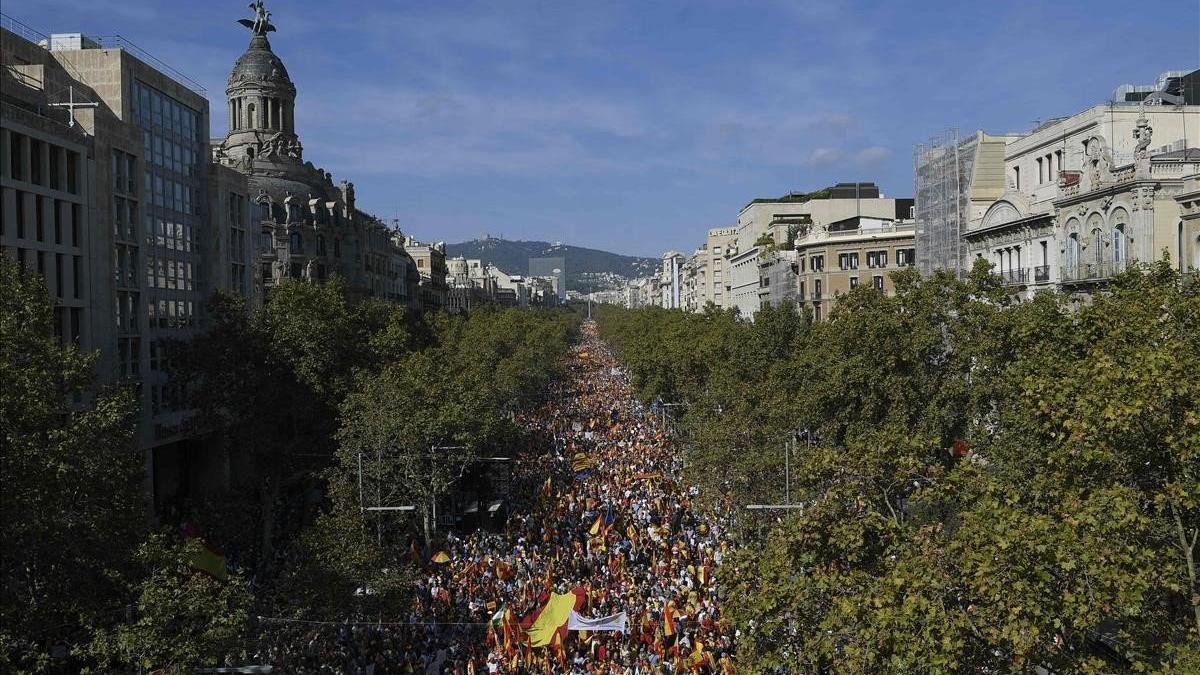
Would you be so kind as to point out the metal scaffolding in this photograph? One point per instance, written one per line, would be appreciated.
(942, 184)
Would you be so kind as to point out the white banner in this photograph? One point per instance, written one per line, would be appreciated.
(614, 622)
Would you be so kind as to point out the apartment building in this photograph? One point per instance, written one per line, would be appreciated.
(848, 254)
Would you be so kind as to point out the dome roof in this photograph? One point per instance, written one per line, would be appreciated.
(259, 63)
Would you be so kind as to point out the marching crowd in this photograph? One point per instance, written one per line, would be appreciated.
(600, 512)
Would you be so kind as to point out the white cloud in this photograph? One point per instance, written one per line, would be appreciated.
(871, 157)
(823, 157)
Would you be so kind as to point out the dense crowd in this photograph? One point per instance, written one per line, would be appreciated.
(600, 511)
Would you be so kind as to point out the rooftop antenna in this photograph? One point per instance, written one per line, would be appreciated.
(72, 104)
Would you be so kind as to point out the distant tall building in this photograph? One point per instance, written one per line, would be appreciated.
(551, 267)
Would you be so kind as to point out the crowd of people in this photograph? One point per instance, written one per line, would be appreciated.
(600, 510)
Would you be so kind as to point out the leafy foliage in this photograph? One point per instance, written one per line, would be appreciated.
(182, 618)
(72, 482)
(1065, 538)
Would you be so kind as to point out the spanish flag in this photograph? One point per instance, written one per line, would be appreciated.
(206, 558)
(669, 619)
(441, 557)
(552, 617)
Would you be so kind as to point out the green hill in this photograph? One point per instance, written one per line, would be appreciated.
(587, 268)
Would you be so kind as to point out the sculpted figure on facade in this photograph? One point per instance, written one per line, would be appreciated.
(1099, 162)
(1142, 133)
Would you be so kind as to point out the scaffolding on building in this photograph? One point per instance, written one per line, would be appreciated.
(942, 183)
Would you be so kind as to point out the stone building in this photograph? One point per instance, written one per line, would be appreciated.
(712, 282)
(839, 257)
(109, 194)
(1087, 195)
(430, 260)
(309, 227)
(767, 224)
(671, 281)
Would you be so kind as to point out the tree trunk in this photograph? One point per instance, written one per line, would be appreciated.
(1188, 548)
(425, 521)
(269, 495)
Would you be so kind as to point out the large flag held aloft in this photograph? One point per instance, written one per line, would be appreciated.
(581, 462)
(612, 622)
(553, 616)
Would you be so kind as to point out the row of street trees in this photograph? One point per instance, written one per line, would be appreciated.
(292, 396)
(985, 486)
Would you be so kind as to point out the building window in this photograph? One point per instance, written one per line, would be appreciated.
(853, 283)
(817, 263)
(296, 243)
(877, 282)
(320, 245)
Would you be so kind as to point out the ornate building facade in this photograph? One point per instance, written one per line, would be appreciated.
(1088, 195)
(309, 227)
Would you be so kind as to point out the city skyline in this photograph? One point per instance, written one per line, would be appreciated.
(535, 111)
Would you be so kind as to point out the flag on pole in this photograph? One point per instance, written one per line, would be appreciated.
(597, 525)
(441, 557)
(613, 622)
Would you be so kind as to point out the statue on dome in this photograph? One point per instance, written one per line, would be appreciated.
(261, 23)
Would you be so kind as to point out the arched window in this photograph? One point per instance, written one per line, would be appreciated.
(320, 245)
(264, 210)
(1098, 246)
(250, 115)
(297, 243)
(1195, 254)
(1118, 247)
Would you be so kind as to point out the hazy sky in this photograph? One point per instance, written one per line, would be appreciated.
(634, 126)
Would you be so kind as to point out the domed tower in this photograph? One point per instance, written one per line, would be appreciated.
(262, 100)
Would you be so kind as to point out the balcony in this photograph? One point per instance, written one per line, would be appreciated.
(1041, 274)
(1092, 271)
(1020, 276)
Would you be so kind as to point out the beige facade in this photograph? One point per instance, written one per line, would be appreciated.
(712, 267)
(853, 253)
(430, 261)
(777, 220)
(1088, 195)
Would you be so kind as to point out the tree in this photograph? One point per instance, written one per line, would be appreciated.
(992, 486)
(71, 501)
(182, 618)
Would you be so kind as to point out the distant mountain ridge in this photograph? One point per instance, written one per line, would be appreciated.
(586, 268)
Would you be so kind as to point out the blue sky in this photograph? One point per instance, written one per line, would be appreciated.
(634, 126)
